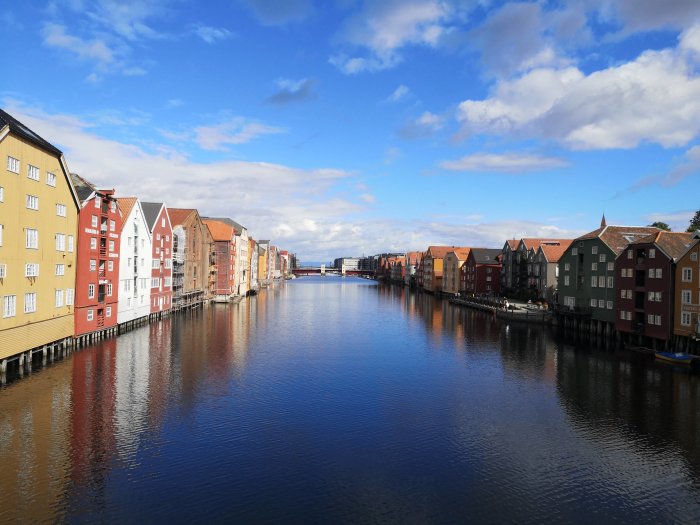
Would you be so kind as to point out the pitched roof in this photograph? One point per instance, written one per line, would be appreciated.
(533, 243)
(180, 215)
(220, 231)
(512, 243)
(228, 221)
(439, 252)
(462, 253)
(618, 237)
(151, 210)
(673, 244)
(23, 131)
(486, 255)
(83, 188)
(553, 252)
(126, 204)
(413, 257)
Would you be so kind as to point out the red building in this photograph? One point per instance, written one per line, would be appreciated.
(97, 261)
(481, 272)
(224, 236)
(158, 221)
(645, 287)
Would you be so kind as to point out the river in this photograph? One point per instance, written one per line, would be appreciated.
(338, 400)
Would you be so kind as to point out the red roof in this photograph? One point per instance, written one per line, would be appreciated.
(618, 237)
(220, 231)
(553, 252)
(179, 215)
(126, 204)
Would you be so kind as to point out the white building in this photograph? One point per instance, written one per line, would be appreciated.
(134, 262)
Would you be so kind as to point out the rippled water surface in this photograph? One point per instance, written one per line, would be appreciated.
(337, 400)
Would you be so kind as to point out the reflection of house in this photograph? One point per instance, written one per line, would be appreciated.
(158, 221)
(191, 257)
(38, 219)
(686, 326)
(134, 262)
(97, 278)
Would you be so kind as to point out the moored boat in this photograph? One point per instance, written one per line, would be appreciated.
(675, 357)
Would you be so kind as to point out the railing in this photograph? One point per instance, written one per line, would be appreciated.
(100, 321)
(100, 297)
(103, 251)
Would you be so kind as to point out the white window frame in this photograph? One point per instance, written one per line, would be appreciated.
(9, 306)
(32, 202)
(31, 270)
(58, 298)
(60, 242)
(13, 165)
(70, 296)
(686, 297)
(51, 179)
(60, 269)
(71, 243)
(687, 275)
(91, 291)
(61, 210)
(33, 172)
(31, 238)
(90, 314)
(30, 302)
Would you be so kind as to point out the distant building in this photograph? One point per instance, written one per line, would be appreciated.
(482, 271)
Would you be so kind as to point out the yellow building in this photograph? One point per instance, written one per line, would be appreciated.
(38, 233)
(453, 262)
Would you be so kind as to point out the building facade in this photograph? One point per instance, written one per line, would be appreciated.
(686, 326)
(191, 257)
(224, 236)
(38, 228)
(454, 259)
(98, 247)
(482, 271)
(158, 222)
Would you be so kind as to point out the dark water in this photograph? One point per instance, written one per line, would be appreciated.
(336, 400)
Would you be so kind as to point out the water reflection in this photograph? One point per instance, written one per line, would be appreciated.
(339, 399)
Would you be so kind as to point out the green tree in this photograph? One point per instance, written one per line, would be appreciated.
(661, 226)
(694, 222)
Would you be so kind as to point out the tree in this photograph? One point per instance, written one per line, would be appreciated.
(661, 226)
(694, 222)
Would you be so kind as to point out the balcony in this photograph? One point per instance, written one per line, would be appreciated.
(100, 297)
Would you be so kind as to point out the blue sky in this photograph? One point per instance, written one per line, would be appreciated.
(350, 127)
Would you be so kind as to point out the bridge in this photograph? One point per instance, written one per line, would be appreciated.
(327, 270)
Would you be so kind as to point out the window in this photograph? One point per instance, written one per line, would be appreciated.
(93, 265)
(687, 275)
(71, 243)
(167, 238)
(566, 280)
(622, 315)
(574, 251)
(94, 220)
(594, 250)
(610, 282)
(3, 271)
(601, 303)
(157, 250)
(113, 206)
(629, 254)
(51, 179)
(98, 201)
(109, 289)
(31, 238)
(9, 306)
(658, 273)
(650, 319)
(685, 318)
(108, 311)
(657, 320)
(593, 303)
(168, 282)
(32, 172)
(61, 210)
(594, 267)
(31, 270)
(157, 236)
(169, 263)
(70, 296)
(2, 230)
(32, 202)
(60, 269)
(686, 297)
(59, 298)
(93, 243)
(651, 273)
(112, 226)
(693, 256)
(155, 264)
(162, 222)
(611, 266)
(29, 302)
(110, 265)
(601, 258)
(601, 281)
(90, 315)
(60, 242)
(155, 282)
(652, 253)
(91, 291)
(609, 305)
(12, 165)
(594, 281)
(2, 194)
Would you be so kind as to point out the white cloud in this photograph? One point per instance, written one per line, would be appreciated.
(424, 126)
(504, 163)
(399, 93)
(291, 91)
(55, 36)
(645, 15)
(212, 34)
(237, 130)
(383, 28)
(654, 98)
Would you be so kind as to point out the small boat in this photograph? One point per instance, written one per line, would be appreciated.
(677, 358)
